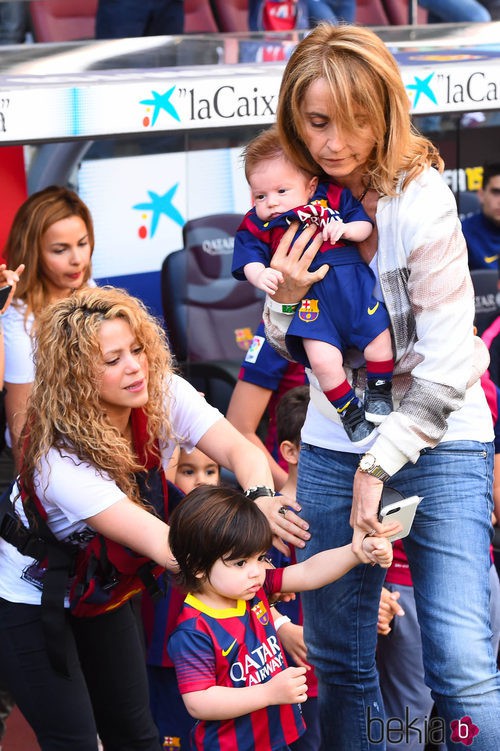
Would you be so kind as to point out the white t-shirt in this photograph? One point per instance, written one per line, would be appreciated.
(72, 491)
(18, 344)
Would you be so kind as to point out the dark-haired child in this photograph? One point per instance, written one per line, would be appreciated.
(187, 469)
(230, 666)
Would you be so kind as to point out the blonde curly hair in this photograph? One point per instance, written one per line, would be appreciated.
(64, 410)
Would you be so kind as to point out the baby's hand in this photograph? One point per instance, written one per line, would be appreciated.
(289, 686)
(269, 280)
(378, 550)
(334, 230)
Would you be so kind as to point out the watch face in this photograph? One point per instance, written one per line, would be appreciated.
(367, 462)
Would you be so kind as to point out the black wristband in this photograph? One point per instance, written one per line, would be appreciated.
(258, 492)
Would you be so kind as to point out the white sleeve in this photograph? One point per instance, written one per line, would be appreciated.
(19, 364)
(191, 415)
(73, 489)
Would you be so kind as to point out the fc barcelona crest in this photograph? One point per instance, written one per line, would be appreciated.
(171, 742)
(309, 311)
(243, 338)
(261, 613)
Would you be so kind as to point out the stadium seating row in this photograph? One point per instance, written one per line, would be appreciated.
(60, 20)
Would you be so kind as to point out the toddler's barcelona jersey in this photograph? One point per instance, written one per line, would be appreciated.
(236, 647)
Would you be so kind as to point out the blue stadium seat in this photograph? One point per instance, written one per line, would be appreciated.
(209, 316)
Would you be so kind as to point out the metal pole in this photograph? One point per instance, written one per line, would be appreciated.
(412, 12)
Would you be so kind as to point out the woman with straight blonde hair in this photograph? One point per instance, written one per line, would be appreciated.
(105, 414)
(343, 109)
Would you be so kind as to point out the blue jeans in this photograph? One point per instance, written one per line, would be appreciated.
(13, 22)
(448, 550)
(399, 660)
(136, 18)
(450, 11)
(334, 11)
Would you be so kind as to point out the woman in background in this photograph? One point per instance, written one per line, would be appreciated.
(53, 236)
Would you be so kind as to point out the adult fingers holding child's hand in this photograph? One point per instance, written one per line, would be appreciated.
(367, 492)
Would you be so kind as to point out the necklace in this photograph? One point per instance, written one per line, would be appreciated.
(363, 194)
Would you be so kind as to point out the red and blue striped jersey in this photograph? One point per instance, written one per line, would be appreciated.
(256, 240)
(235, 647)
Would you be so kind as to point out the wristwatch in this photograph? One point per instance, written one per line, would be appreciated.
(258, 491)
(368, 465)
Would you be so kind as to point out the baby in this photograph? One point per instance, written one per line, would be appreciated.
(341, 310)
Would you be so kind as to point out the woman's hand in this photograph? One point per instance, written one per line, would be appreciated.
(287, 527)
(293, 262)
(7, 276)
(367, 491)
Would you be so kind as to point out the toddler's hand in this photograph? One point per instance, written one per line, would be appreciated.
(387, 609)
(292, 637)
(289, 686)
(378, 550)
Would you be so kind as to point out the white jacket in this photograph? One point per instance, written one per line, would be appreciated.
(426, 287)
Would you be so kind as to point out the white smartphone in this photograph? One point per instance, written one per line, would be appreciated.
(396, 508)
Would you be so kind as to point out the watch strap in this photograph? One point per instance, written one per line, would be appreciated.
(375, 470)
(379, 473)
(258, 491)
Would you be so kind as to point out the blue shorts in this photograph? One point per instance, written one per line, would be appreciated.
(340, 310)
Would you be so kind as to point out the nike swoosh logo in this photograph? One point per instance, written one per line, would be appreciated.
(490, 259)
(371, 311)
(343, 409)
(225, 652)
